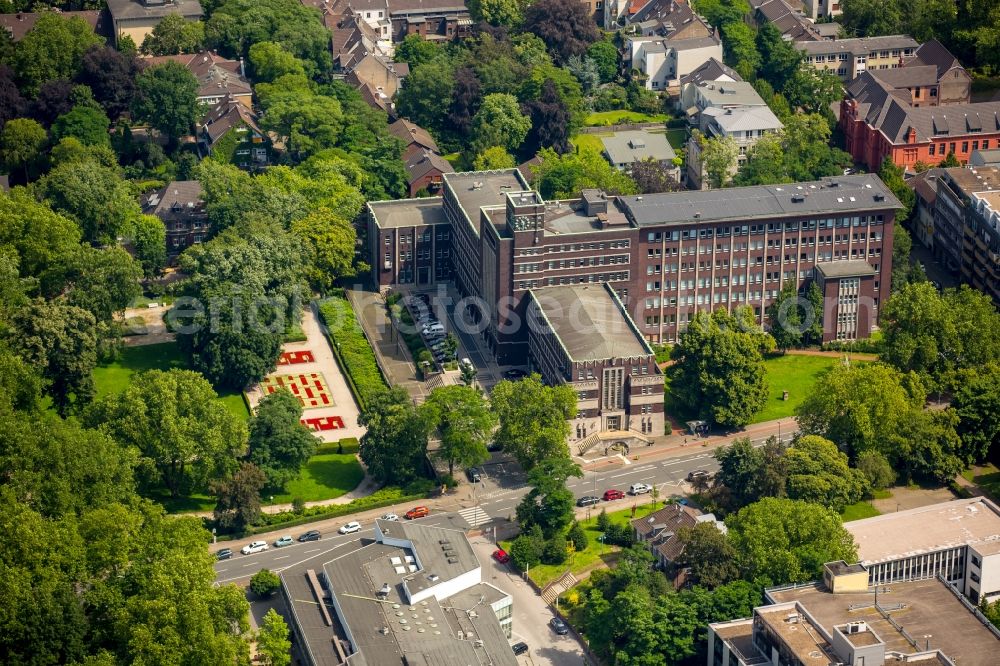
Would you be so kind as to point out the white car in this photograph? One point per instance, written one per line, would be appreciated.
(389, 516)
(254, 547)
(350, 527)
(286, 540)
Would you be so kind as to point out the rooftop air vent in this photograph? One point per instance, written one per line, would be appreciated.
(433, 578)
(798, 198)
(452, 560)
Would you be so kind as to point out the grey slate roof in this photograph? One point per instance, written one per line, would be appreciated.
(743, 119)
(590, 322)
(729, 93)
(907, 76)
(635, 146)
(425, 162)
(858, 45)
(985, 157)
(851, 193)
(135, 9)
(711, 70)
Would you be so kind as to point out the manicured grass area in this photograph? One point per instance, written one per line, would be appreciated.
(455, 159)
(986, 477)
(677, 138)
(324, 476)
(183, 504)
(114, 377)
(858, 511)
(596, 552)
(602, 118)
(591, 141)
(795, 374)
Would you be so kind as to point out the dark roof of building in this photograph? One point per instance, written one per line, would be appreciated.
(934, 53)
(895, 117)
(844, 269)
(21, 23)
(216, 75)
(426, 162)
(841, 194)
(985, 157)
(908, 75)
(137, 9)
(925, 184)
(636, 145)
(590, 322)
(711, 70)
(858, 45)
(413, 133)
(527, 168)
(225, 115)
(788, 20)
(180, 199)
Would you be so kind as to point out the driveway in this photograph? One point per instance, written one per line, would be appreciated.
(531, 615)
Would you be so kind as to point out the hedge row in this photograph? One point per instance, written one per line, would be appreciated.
(346, 445)
(377, 500)
(353, 351)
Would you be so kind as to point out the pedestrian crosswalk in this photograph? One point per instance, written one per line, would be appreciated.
(475, 516)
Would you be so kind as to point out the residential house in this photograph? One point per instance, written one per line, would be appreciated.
(20, 24)
(217, 77)
(229, 132)
(880, 121)
(137, 18)
(848, 58)
(378, 79)
(711, 70)
(394, 20)
(425, 172)
(817, 9)
(352, 38)
(623, 149)
(660, 531)
(790, 21)
(925, 186)
(181, 208)
(725, 109)
(414, 137)
(671, 42)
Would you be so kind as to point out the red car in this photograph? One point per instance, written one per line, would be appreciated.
(417, 512)
(613, 494)
(501, 556)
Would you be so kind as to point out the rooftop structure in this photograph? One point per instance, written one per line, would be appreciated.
(217, 76)
(407, 212)
(712, 70)
(625, 148)
(475, 189)
(414, 596)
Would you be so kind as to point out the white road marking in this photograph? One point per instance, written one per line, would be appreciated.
(282, 557)
(311, 551)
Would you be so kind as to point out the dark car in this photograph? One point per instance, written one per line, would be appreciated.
(311, 535)
(474, 474)
(698, 474)
(514, 373)
(519, 648)
(558, 626)
(589, 500)
(224, 554)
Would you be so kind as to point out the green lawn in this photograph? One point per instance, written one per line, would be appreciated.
(677, 138)
(859, 510)
(795, 374)
(592, 141)
(986, 477)
(114, 377)
(595, 552)
(325, 476)
(603, 118)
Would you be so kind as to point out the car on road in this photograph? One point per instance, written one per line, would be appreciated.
(519, 648)
(286, 540)
(417, 512)
(311, 535)
(514, 373)
(639, 489)
(588, 500)
(613, 494)
(389, 516)
(559, 626)
(698, 474)
(224, 554)
(474, 475)
(501, 556)
(254, 547)
(353, 526)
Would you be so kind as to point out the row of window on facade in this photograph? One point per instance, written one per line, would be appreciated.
(425, 237)
(834, 57)
(578, 279)
(622, 244)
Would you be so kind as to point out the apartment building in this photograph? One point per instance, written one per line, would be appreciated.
(840, 620)
(181, 208)
(137, 18)
(671, 41)
(665, 255)
(847, 58)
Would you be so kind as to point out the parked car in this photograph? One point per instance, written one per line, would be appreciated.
(224, 554)
(417, 512)
(436, 327)
(514, 373)
(588, 500)
(698, 474)
(286, 540)
(613, 494)
(389, 516)
(353, 526)
(558, 626)
(474, 474)
(519, 648)
(501, 556)
(639, 489)
(254, 547)
(467, 362)
(311, 535)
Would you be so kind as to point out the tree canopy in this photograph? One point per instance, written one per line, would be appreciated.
(533, 419)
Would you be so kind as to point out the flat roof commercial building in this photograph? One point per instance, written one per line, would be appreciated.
(414, 596)
(958, 540)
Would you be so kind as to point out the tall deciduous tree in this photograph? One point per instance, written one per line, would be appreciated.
(464, 422)
(786, 315)
(499, 122)
(749, 473)
(718, 158)
(549, 503)
(330, 243)
(977, 404)
(21, 143)
(52, 49)
(708, 554)
(270, 61)
(273, 644)
(172, 35)
(92, 194)
(652, 175)
(86, 124)
(818, 472)
(185, 436)
(167, 98)
(394, 447)
(279, 444)
(110, 75)
(550, 120)
(563, 176)
(238, 497)
(565, 26)
(718, 372)
(605, 56)
(533, 419)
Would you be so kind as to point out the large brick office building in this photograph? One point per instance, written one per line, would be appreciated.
(665, 255)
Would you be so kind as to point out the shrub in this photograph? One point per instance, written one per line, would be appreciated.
(578, 537)
(264, 583)
(555, 550)
(298, 505)
(603, 522)
(378, 499)
(526, 550)
(618, 535)
(352, 349)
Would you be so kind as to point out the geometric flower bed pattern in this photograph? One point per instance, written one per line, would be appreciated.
(293, 357)
(324, 423)
(309, 388)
